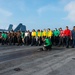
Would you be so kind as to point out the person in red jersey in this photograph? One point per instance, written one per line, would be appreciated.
(67, 33)
(61, 37)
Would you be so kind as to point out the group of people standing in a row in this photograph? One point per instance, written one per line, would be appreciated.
(58, 37)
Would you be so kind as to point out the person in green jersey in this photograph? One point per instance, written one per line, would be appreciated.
(47, 45)
(4, 37)
(56, 34)
(22, 36)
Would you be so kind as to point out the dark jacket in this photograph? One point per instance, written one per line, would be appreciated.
(73, 34)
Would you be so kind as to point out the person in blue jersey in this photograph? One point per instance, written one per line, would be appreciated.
(73, 37)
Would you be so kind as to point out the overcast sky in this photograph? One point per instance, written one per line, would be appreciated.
(37, 14)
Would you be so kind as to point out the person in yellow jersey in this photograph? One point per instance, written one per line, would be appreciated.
(39, 34)
(37, 38)
(33, 35)
(49, 33)
(44, 33)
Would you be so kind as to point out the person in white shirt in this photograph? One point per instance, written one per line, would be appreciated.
(27, 35)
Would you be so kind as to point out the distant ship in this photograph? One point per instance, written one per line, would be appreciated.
(20, 27)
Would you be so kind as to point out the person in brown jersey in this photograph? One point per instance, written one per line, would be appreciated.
(19, 38)
(9, 38)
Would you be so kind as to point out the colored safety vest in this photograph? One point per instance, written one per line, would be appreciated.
(33, 34)
(49, 34)
(48, 42)
(5, 36)
(39, 34)
(2, 35)
(44, 33)
(22, 34)
(56, 33)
